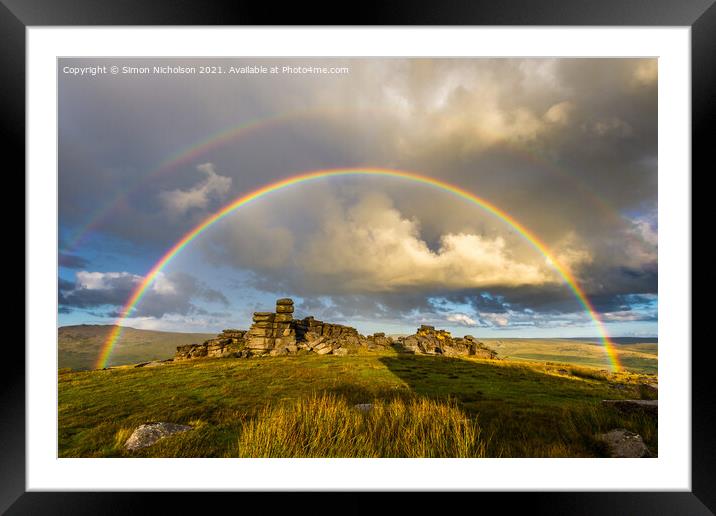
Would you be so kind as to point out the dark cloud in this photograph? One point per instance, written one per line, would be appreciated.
(568, 147)
(71, 261)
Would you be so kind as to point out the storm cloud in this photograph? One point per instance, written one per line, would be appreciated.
(567, 147)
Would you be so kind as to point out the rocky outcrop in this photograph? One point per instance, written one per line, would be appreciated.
(278, 333)
(429, 341)
(326, 338)
(227, 343)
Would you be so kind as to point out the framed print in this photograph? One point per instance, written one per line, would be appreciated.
(412, 256)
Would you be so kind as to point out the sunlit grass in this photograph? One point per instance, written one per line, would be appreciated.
(328, 426)
(304, 406)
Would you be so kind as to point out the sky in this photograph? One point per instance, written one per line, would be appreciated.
(567, 147)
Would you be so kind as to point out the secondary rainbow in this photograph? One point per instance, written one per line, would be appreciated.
(195, 150)
(141, 289)
(182, 157)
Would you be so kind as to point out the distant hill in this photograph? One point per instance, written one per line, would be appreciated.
(642, 357)
(79, 346)
(619, 340)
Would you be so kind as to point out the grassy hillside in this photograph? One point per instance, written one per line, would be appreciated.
(302, 406)
(79, 346)
(639, 357)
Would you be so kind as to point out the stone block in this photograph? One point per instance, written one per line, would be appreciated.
(257, 343)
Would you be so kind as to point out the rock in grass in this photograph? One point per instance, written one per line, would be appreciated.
(622, 443)
(364, 407)
(149, 433)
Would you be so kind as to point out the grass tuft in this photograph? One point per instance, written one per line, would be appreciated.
(328, 426)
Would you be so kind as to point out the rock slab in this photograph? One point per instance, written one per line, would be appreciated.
(622, 443)
(149, 433)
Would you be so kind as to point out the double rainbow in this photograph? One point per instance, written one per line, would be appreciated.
(234, 133)
(142, 288)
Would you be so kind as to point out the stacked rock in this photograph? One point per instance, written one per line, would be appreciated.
(322, 329)
(273, 331)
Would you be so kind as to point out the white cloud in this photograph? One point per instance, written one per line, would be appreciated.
(494, 319)
(372, 247)
(214, 186)
(462, 319)
(167, 294)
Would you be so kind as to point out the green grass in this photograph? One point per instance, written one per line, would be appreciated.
(424, 406)
(328, 426)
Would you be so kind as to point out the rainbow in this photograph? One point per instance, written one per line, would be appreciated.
(215, 140)
(182, 157)
(142, 287)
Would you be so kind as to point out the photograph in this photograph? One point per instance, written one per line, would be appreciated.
(357, 257)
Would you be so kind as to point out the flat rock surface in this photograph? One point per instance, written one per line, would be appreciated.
(624, 444)
(149, 433)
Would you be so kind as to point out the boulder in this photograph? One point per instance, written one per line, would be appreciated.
(622, 443)
(408, 345)
(149, 433)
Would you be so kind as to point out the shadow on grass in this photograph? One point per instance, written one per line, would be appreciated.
(525, 412)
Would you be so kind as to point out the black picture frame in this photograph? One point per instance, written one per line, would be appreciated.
(700, 15)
